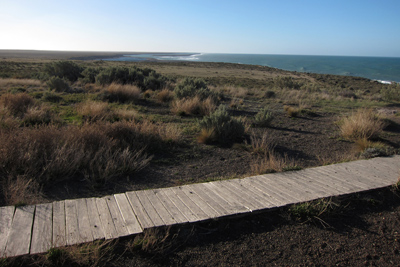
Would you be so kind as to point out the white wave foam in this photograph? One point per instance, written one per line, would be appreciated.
(384, 82)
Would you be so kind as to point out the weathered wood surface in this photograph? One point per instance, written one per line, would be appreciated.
(42, 229)
(36, 229)
(19, 237)
(6, 217)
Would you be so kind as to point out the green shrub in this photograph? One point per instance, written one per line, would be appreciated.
(189, 88)
(391, 92)
(220, 127)
(64, 69)
(286, 82)
(89, 75)
(57, 84)
(51, 97)
(263, 118)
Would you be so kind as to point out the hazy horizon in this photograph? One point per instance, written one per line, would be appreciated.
(329, 28)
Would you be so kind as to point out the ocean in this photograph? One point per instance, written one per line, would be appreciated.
(384, 69)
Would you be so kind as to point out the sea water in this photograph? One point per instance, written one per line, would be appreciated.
(384, 69)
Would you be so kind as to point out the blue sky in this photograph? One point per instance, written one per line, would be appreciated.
(300, 27)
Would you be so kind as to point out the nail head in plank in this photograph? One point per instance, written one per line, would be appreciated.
(19, 238)
(106, 220)
(128, 215)
(71, 222)
(150, 210)
(59, 239)
(116, 216)
(6, 216)
(85, 231)
(94, 219)
(159, 207)
(139, 210)
(42, 228)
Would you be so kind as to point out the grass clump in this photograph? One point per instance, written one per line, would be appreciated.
(291, 111)
(264, 117)
(193, 106)
(363, 124)
(313, 210)
(16, 105)
(122, 93)
(165, 96)
(219, 127)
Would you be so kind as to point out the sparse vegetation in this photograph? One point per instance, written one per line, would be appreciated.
(220, 127)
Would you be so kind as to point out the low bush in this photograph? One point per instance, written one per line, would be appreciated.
(122, 93)
(363, 124)
(58, 84)
(189, 88)
(193, 106)
(291, 111)
(16, 104)
(51, 97)
(220, 127)
(264, 117)
(165, 95)
(93, 111)
(64, 69)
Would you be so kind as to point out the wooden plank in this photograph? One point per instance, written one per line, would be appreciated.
(352, 177)
(378, 171)
(139, 210)
(195, 203)
(106, 220)
(292, 180)
(19, 237)
(198, 201)
(6, 216)
(129, 217)
(275, 190)
(116, 216)
(59, 239)
(366, 177)
(172, 208)
(213, 200)
(330, 179)
(71, 222)
(260, 195)
(313, 180)
(182, 207)
(84, 229)
(150, 210)
(276, 195)
(94, 219)
(42, 228)
(159, 207)
(339, 179)
(256, 202)
(237, 204)
(291, 191)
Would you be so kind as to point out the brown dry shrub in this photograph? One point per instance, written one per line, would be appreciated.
(21, 190)
(165, 96)
(16, 105)
(271, 162)
(94, 111)
(39, 115)
(362, 124)
(193, 106)
(123, 93)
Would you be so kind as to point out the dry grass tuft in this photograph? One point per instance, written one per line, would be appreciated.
(165, 96)
(21, 190)
(363, 124)
(12, 82)
(270, 162)
(94, 110)
(123, 93)
(291, 111)
(16, 105)
(193, 106)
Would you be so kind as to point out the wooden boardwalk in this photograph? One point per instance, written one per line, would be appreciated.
(37, 228)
